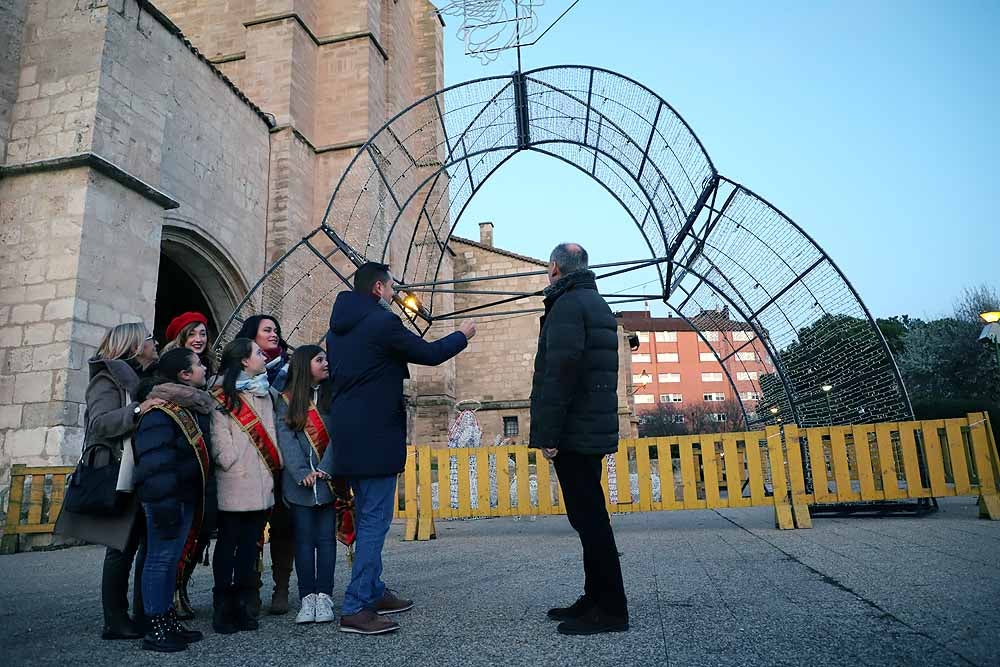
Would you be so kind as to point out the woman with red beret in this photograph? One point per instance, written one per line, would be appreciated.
(190, 330)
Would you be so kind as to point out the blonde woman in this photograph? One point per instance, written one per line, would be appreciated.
(126, 353)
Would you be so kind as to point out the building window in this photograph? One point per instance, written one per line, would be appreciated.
(714, 397)
(746, 356)
(640, 358)
(711, 336)
(670, 377)
(749, 395)
(711, 377)
(718, 416)
(706, 356)
(642, 379)
(643, 336)
(671, 398)
(747, 377)
(666, 336)
(677, 419)
(641, 399)
(742, 336)
(667, 357)
(509, 427)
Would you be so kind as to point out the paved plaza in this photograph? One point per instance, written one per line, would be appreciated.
(705, 588)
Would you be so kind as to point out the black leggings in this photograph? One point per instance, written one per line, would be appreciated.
(236, 549)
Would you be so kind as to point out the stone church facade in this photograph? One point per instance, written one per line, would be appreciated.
(156, 158)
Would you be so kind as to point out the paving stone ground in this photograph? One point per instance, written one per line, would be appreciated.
(705, 588)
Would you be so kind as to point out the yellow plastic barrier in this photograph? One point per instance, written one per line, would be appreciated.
(43, 504)
(786, 468)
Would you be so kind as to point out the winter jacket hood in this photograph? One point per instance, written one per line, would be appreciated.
(185, 396)
(350, 309)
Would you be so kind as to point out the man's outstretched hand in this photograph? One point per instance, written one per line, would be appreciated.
(468, 327)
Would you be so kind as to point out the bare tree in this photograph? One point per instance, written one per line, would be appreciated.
(975, 300)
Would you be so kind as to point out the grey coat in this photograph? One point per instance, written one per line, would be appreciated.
(300, 459)
(109, 421)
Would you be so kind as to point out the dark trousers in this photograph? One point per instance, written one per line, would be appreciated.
(315, 547)
(580, 479)
(281, 537)
(115, 576)
(235, 559)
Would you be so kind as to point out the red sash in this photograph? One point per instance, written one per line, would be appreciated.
(189, 427)
(251, 424)
(343, 502)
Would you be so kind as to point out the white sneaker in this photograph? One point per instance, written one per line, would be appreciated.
(307, 612)
(324, 608)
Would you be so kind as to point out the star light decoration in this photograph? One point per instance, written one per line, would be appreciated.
(491, 26)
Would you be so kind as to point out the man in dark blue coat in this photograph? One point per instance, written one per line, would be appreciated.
(369, 349)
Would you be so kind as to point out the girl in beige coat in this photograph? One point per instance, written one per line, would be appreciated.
(244, 447)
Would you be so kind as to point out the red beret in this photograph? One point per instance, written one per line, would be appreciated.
(181, 321)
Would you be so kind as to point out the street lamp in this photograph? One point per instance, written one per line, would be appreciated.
(829, 412)
(992, 330)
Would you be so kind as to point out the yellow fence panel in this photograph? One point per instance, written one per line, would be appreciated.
(783, 466)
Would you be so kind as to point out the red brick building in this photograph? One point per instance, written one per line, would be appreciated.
(674, 364)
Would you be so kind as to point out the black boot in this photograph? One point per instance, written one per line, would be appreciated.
(224, 611)
(182, 603)
(245, 620)
(575, 610)
(159, 638)
(593, 622)
(178, 630)
(120, 626)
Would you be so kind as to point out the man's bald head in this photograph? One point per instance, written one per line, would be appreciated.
(569, 257)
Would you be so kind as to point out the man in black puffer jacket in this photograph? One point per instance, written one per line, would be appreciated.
(574, 421)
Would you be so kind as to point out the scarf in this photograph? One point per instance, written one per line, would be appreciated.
(256, 385)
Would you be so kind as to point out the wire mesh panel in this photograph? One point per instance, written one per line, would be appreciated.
(728, 260)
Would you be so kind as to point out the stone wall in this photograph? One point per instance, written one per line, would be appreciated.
(118, 128)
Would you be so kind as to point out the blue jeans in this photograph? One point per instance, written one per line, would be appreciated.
(159, 574)
(373, 503)
(315, 531)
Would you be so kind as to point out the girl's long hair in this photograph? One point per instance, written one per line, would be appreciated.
(230, 368)
(298, 389)
(252, 324)
(181, 340)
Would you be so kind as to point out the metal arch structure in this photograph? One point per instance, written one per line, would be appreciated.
(714, 242)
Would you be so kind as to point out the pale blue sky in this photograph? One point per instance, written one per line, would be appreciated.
(872, 124)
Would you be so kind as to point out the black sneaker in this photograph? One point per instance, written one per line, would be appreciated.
(593, 622)
(575, 610)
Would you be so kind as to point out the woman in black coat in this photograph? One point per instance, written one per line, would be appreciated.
(172, 467)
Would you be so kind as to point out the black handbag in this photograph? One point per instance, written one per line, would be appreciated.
(91, 487)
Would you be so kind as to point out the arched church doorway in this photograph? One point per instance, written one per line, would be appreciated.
(194, 275)
(176, 293)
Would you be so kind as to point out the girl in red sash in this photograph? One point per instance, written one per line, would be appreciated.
(190, 330)
(247, 459)
(172, 466)
(303, 436)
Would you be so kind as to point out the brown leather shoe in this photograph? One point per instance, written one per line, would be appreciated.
(391, 604)
(367, 622)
